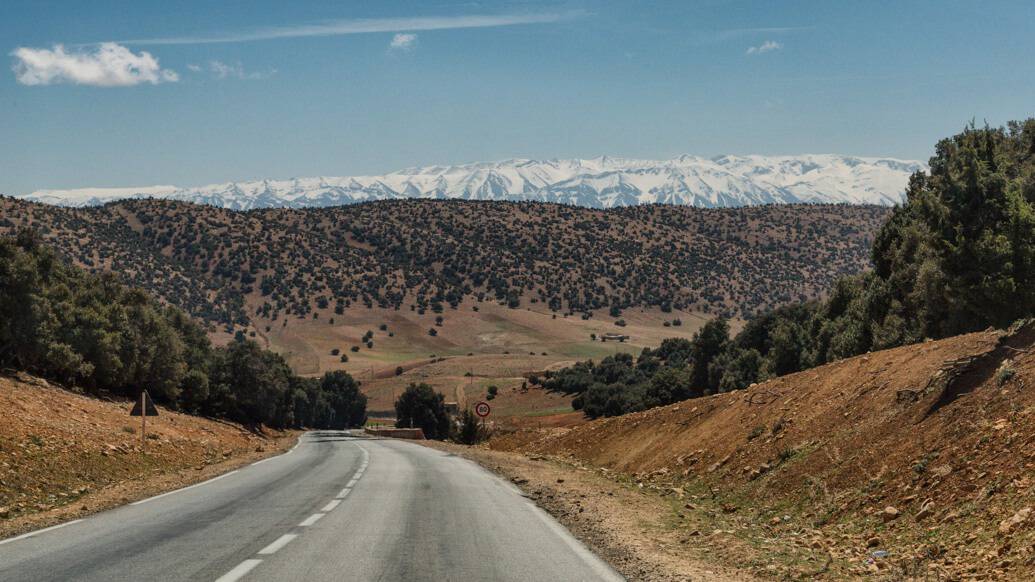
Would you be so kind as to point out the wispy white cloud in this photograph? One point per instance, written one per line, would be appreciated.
(365, 26)
(403, 42)
(107, 65)
(765, 47)
(236, 71)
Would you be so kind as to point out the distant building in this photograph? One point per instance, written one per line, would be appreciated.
(617, 337)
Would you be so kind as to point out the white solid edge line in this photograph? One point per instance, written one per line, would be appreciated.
(239, 571)
(311, 520)
(39, 531)
(330, 506)
(284, 454)
(215, 478)
(603, 570)
(184, 488)
(341, 494)
(298, 442)
(277, 544)
(351, 483)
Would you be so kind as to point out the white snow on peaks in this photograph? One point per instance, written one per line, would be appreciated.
(602, 182)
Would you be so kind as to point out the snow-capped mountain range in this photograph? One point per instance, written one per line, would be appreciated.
(598, 183)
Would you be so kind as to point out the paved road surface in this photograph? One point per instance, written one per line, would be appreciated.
(337, 507)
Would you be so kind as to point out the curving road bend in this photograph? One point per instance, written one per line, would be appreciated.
(337, 507)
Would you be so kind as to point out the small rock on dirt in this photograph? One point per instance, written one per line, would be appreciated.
(889, 514)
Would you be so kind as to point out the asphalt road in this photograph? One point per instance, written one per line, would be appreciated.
(336, 507)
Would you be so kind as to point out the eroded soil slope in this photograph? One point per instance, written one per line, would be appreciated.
(63, 455)
(906, 461)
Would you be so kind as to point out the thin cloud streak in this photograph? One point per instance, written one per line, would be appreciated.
(365, 26)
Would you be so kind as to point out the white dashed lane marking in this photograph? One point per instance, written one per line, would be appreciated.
(279, 543)
(311, 520)
(246, 566)
(239, 571)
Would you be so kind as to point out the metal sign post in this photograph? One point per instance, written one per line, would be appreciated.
(482, 409)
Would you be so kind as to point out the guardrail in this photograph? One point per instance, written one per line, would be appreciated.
(397, 433)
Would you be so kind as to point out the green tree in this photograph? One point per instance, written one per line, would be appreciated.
(708, 343)
(348, 404)
(419, 406)
(255, 381)
(669, 385)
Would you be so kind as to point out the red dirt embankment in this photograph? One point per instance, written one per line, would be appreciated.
(925, 452)
(63, 455)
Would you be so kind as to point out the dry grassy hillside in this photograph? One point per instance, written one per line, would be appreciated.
(373, 287)
(925, 452)
(229, 266)
(64, 455)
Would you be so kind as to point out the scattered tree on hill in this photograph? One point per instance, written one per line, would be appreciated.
(575, 260)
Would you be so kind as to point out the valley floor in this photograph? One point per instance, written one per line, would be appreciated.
(471, 351)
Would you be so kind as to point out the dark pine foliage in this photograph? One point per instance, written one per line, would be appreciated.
(87, 330)
(420, 406)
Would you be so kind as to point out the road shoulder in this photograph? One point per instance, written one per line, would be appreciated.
(122, 492)
(630, 529)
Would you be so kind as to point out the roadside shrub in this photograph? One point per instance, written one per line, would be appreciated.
(469, 431)
(420, 406)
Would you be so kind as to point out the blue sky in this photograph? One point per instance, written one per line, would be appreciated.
(319, 88)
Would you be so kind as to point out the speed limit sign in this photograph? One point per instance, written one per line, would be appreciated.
(482, 409)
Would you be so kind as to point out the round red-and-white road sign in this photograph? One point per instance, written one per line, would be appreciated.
(482, 409)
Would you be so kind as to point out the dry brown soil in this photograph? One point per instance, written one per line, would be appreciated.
(911, 463)
(64, 455)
